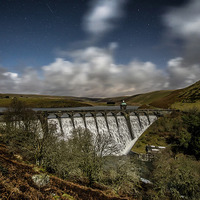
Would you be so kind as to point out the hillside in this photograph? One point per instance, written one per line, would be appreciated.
(182, 99)
(179, 99)
(191, 93)
(45, 101)
(16, 183)
(138, 99)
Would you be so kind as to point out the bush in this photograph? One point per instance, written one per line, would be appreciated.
(22, 132)
(176, 177)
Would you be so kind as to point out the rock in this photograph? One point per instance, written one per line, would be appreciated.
(145, 181)
(41, 180)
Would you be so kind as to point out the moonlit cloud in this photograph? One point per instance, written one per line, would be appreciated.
(8, 81)
(102, 16)
(93, 72)
(181, 76)
(183, 23)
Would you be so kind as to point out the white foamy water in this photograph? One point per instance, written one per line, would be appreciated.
(135, 125)
(91, 125)
(152, 118)
(124, 133)
(56, 124)
(144, 122)
(113, 128)
(79, 123)
(102, 127)
(67, 126)
(118, 130)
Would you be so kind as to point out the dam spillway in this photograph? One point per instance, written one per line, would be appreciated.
(124, 128)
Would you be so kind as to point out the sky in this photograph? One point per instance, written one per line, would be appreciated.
(98, 48)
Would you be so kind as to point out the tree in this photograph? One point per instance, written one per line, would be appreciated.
(176, 177)
(88, 152)
(23, 132)
(86, 156)
(192, 120)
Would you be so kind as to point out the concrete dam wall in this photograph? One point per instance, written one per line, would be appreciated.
(123, 128)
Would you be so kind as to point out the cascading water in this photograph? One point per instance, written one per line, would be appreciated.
(124, 132)
(102, 126)
(91, 125)
(152, 118)
(144, 122)
(67, 126)
(135, 126)
(138, 125)
(114, 127)
(79, 123)
(55, 123)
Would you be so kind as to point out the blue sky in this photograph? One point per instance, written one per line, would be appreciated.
(98, 48)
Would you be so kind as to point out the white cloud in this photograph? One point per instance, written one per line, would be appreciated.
(183, 23)
(93, 72)
(179, 75)
(11, 75)
(100, 18)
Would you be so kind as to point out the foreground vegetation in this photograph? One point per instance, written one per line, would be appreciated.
(79, 159)
(174, 174)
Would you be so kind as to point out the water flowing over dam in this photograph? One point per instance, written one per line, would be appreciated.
(124, 128)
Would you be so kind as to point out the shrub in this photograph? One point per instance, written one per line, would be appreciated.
(177, 176)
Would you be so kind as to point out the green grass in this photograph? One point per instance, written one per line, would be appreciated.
(186, 106)
(182, 99)
(139, 99)
(45, 101)
(148, 139)
(147, 98)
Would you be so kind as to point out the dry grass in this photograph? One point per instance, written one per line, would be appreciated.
(16, 183)
(186, 106)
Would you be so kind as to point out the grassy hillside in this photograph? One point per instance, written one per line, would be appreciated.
(163, 98)
(182, 99)
(147, 98)
(139, 99)
(190, 94)
(38, 101)
(16, 183)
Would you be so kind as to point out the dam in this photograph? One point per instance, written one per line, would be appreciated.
(124, 127)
